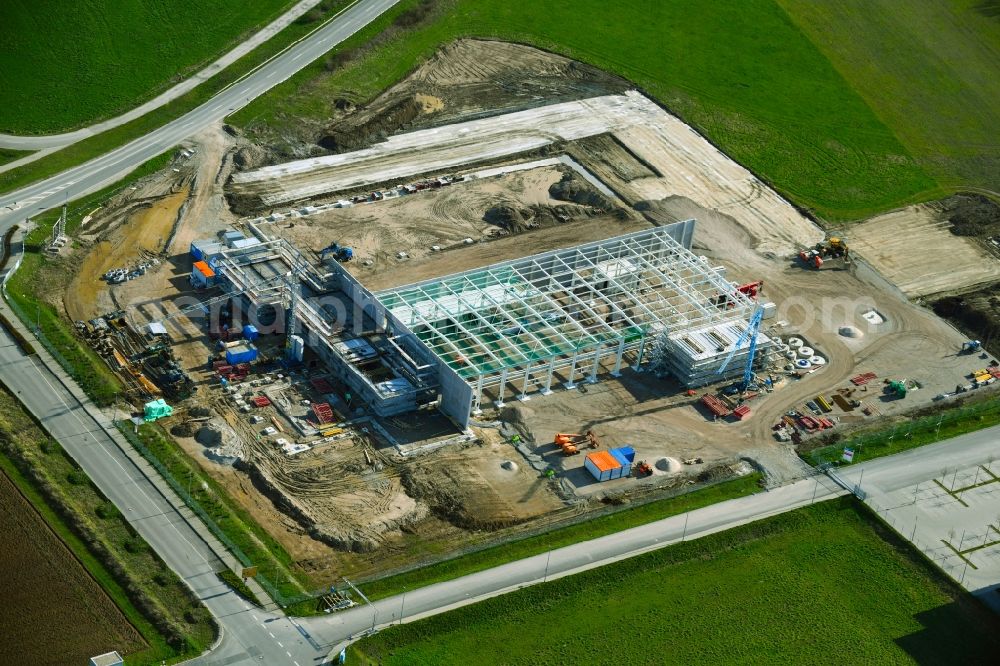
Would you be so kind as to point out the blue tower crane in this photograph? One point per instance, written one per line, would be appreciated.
(752, 331)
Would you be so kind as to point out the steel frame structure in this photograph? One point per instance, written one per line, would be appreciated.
(573, 308)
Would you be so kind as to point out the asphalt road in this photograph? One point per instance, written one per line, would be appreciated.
(112, 166)
(249, 636)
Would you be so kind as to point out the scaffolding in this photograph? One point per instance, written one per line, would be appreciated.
(514, 324)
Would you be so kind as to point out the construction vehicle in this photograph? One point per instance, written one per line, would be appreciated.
(751, 290)
(971, 346)
(896, 387)
(832, 248)
(811, 258)
(341, 253)
(642, 469)
(571, 443)
(750, 334)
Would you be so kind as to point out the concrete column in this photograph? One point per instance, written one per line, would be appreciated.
(572, 370)
(524, 397)
(478, 399)
(592, 379)
(503, 387)
(548, 380)
(617, 372)
(642, 350)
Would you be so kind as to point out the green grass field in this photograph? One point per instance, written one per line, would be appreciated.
(740, 71)
(929, 70)
(824, 584)
(99, 144)
(8, 155)
(65, 65)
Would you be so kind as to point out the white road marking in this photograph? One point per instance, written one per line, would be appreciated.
(113, 458)
(270, 634)
(279, 644)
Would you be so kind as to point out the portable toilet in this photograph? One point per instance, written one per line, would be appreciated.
(603, 466)
(250, 333)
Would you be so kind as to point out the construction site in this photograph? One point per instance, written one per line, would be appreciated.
(465, 321)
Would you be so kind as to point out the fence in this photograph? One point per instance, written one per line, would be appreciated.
(556, 520)
(914, 432)
(270, 583)
(31, 323)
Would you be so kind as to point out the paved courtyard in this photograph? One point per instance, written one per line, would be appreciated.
(953, 518)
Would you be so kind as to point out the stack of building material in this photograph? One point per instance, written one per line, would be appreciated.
(863, 379)
(714, 405)
(322, 385)
(323, 412)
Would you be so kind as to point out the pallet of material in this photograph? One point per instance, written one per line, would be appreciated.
(823, 403)
(715, 405)
(322, 385)
(809, 423)
(843, 403)
(863, 379)
(261, 401)
(741, 412)
(323, 412)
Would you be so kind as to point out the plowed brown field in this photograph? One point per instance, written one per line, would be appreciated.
(53, 612)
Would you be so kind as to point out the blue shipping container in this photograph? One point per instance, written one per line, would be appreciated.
(626, 451)
(241, 354)
(626, 464)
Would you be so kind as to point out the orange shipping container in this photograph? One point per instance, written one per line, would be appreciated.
(603, 466)
(204, 269)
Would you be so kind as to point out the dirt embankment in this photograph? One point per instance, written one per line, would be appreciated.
(466, 79)
(144, 229)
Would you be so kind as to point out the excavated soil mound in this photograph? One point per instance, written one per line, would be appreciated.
(850, 332)
(971, 215)
(508, 218)
(658, 212)
(249, 157)
(209, 435)
(349, 134)
(182, 430)
(570, 188)
(515, 220)
(669, 465)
